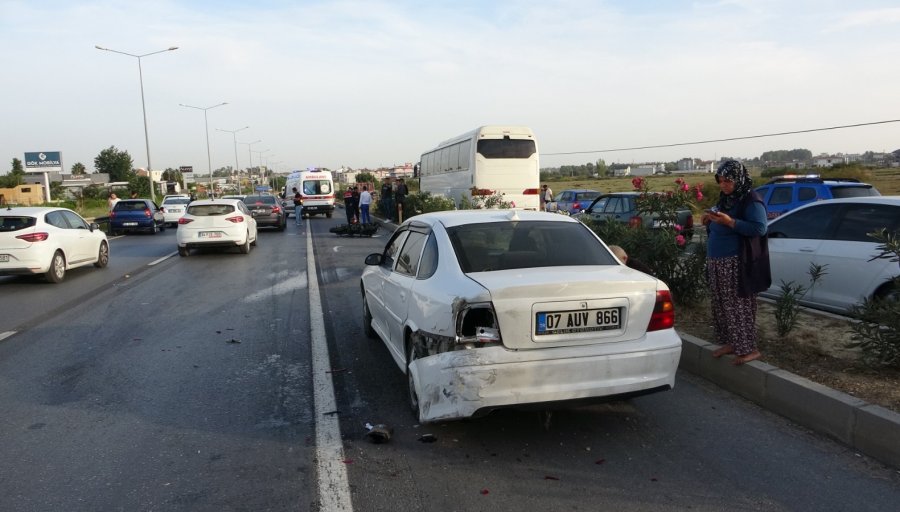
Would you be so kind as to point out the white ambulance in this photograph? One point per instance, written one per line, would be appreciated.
(317, 189)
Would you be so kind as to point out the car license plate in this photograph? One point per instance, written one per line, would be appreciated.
(210, 234)
(4, 258)
(585, 320)
(129, 223)
(175, 210)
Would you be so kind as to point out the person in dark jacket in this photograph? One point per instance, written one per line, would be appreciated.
(387, 199)
(400, 199)
(350, 205)
(737, 219)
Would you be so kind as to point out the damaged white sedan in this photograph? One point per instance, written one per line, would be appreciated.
(485, 309)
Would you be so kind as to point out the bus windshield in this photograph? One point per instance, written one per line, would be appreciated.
(506, 148)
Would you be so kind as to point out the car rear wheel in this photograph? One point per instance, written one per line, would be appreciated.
(245, 249)
(411, 382)
(57, 270)
(184, 251)
(102, 255)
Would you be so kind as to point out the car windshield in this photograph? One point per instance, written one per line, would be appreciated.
(177, 200)
(250, 200)
(210, 210)
(16, 223)
(508, 245)
(586, 196)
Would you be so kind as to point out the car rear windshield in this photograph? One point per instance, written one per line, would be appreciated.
(839, 192)
(130, 206)
(260, 200)
(177, 200)
(16, 223)
(209, 210)
(508, 245)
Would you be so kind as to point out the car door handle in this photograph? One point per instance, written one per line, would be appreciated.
(806, 249)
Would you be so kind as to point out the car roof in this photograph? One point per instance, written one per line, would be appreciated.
(177, 196)
(459, 217)
(29, 210)
(889, 200)
(580, 190)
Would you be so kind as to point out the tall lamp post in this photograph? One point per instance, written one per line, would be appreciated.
(143, 105)
(259, 155)
(249, 155)
(234, 137)
(206, 126)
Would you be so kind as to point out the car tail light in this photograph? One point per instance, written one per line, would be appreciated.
(237, 219)
(663, 316)
(476, 326)
(576, 205)
(689, 222)
(635, 222)
(276, 209)
(530, 192)
(34, 237)
(147, 213)
(185, 220)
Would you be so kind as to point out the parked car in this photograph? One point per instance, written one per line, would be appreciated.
(173, 207)
(622, 207)
(481, 311)
(572, 201)
(784, 193)
(131, 215)
(267, 211)
(216, 223)
(833, 234)
(49, 242)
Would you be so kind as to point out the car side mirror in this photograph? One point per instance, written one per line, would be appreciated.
(373, 259)
(93, 226)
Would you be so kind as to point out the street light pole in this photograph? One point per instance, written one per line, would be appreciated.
(249, 155)
(143, 105)
(234, 137)
(206, 126)
(259, 155)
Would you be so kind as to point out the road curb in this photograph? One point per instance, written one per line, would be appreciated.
(868, 428)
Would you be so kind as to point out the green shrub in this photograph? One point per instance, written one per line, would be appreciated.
(877, 333)
(787, 305)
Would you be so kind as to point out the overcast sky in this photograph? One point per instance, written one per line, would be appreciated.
(375, 83)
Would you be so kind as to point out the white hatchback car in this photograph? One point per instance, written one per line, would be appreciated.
(484, 309)
(834, 233)
(49, 241)
(173, 207)
(216, 223)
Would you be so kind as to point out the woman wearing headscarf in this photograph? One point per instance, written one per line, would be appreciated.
(735, 223)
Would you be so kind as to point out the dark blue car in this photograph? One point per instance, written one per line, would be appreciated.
(133, 215)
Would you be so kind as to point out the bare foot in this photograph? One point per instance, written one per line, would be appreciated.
(746, 358)
(721, 351)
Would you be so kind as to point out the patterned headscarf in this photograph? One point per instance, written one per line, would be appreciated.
(734, 171)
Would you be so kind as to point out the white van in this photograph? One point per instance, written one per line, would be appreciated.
(317, 189)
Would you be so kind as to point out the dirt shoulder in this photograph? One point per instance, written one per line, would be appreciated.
(816, 349)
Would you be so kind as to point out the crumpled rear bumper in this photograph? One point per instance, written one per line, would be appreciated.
(459, 384)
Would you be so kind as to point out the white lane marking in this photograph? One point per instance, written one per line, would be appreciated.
(336, 248)
(7, 334)
(334, 489)
(164, 258)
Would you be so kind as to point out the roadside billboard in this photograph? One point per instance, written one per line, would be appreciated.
(43, 161)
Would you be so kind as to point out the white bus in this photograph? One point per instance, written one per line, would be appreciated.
(488, 160)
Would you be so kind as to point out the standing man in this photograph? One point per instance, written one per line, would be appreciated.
(349, 207)
(365, 199)
(298, 205)
(400, 198)
(387, 199)
(546, 197)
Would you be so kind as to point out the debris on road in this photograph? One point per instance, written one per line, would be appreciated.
(379, 434)
(427, 438)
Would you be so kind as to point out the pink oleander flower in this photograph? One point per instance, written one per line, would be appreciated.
(637, 182)
(669, 193)
(685, 187)
(679, 239)
(678, 227)
(679, 181)
(699, 195)
(699, 187)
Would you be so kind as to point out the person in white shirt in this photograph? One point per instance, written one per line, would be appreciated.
(111, 202)
(546, 197)
(365, 199)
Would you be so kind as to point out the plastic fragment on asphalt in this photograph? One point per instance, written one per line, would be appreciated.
(234, 340)
(380, 433)
(427, 438)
